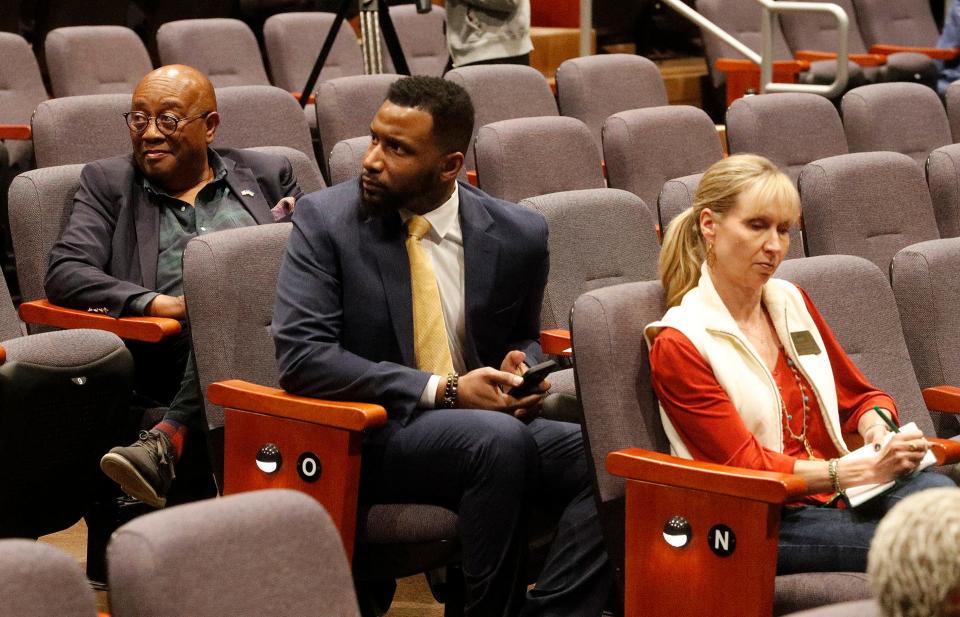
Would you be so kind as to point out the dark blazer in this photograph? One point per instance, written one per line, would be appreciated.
(108, 250)
(343, 320)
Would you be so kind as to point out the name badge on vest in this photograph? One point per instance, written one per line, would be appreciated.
(804, 343)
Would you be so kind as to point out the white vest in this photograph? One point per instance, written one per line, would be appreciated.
(705, 321)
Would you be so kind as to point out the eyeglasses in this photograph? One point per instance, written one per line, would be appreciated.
(167, 124)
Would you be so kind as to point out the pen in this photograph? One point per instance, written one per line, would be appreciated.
(886, 419)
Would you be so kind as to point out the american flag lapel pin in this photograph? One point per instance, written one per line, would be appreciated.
(246, 193)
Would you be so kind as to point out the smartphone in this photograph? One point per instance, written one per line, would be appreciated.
(533, 378)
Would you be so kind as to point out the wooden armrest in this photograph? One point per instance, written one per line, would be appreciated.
(945, 399)
(245, 396)
(3, 354)
(20, 132)
(947, 451)
(861, 59)
(310, 101)
(934, 52)
(472, 177)
(737, 65)
(148, 329)
(767, 486)
(555, 342)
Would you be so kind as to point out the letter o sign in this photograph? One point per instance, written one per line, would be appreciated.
(308, 467)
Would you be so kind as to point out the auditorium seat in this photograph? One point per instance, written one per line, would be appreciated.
(790, 129)
(80, 129)
(817, 33)
(38, 580)
(423, 39)
(261, 553)
(503, 92)
(621, 418)
(346, 107)
(231, 312)
(643, 148)
(305, 170)
(225, 50)
(346, 158)
(924, 280)
(857, 608)
(592, 88)
(898, 117)
(943, 179)
(904, 25)
(95, 60)
(675, 197)
(870, 204)
(525, 157)
(953, 110)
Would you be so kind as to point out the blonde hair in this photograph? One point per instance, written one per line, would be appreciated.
(684, 249)
(913, 563)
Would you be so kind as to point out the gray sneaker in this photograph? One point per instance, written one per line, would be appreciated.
(143, 470)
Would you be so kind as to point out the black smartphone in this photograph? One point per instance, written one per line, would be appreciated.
(533, 378)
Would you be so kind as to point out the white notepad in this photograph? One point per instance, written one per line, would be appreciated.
(857, 495)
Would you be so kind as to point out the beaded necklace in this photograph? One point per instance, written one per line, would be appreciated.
(787, 417)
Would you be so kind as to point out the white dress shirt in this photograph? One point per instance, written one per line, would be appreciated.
(444, 246)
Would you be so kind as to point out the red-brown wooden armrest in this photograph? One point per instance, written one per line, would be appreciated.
(312, 99)
(743, 76)
(947, 451)
(934, 52)
(472, 177)
(767, 486)
(3, 355)
(555, 342)
(245, 396)
(21, 132)
(149, 329)
(861, 59)
(945, 399)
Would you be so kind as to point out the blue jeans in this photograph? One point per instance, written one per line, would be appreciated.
(816, 539)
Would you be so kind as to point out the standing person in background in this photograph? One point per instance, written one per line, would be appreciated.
(488, 32)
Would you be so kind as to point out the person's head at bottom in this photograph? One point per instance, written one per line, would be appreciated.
(172, 119)
(417, 142)
(914, 564)
(739, 225)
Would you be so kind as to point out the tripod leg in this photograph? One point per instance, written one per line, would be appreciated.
(393, 42)
(324, 52)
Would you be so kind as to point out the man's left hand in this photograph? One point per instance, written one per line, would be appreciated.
(514, 362)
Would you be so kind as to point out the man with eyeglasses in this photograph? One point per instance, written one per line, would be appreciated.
(121, 252)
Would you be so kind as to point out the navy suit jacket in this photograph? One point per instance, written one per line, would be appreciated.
(343, 320)
(107, 253)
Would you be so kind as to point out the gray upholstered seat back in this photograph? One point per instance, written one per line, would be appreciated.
(870, 204)
(898, 117)
(95, 60)
(422, 38)
(899, 22)
(925, 284)
(346, 107)
(818, 31)
(843, 288)
(643, 148)
(675, 197)
(346, 159)
(790, 129)
(742, 20)
(293, 40)
(304, 169)
(225, 50)
(598, 238)
(231, 308)
(37, 580)
(524, 157)
(80, 129)
(10, 326)
(503, 92)
(21, 93)
(944, 182)
(953, 110)
(626, 81)
(253, 116)
(40, 204)
(257, 553)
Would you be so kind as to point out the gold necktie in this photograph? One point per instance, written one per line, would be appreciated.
(429, 333)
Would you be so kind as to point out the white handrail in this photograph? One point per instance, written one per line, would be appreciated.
(765, 58)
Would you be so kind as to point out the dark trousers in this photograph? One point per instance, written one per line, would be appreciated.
(491, 468)
(816, 539)
(166, 376)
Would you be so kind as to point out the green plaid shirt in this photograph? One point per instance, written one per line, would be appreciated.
(216, 208)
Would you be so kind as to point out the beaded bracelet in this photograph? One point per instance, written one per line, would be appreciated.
(834, 473)
(450, 392)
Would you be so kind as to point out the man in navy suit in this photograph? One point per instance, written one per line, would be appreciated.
(344, 328)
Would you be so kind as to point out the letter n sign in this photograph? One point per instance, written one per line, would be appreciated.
(722, 540)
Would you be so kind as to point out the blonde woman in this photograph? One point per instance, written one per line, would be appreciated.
(748, 373)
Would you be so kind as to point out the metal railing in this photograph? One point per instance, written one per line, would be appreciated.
(765, 58)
